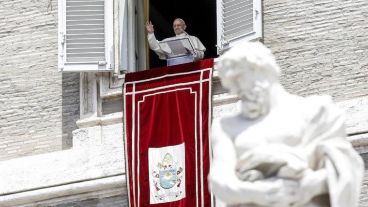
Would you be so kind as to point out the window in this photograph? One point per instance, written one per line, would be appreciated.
(238, 20)
(85, 36)
(200, 18)
(95, 34)
(218, 24)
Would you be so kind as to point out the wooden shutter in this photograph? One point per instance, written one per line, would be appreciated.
(85, 35)
(238, 20)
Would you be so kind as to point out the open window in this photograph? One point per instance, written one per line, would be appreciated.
(85, 38)
(218, 24)
(96, 34)
(199, 16)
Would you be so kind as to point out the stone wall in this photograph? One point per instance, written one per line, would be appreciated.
(38, 105)
(321, 46)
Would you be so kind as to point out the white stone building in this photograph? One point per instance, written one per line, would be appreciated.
(61, 134)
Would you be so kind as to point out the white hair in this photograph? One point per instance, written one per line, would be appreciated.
(180, 19)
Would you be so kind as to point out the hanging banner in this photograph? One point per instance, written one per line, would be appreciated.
(167, 115)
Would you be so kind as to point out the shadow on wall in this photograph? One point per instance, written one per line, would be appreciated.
(70, 107)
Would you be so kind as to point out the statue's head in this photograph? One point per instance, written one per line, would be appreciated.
(249, 70)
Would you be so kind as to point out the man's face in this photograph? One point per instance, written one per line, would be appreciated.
(178, 26)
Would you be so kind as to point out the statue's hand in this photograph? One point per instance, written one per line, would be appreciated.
(275, 192)
(250, 175)
(313, 183)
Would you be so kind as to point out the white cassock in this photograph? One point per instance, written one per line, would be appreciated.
(197, 54)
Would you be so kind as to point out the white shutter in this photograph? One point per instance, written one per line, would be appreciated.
(238, 20)
(85, 35)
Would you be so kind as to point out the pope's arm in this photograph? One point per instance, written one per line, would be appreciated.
(154, 45)
(198, 47)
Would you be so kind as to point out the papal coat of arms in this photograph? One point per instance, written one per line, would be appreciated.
(167, 178)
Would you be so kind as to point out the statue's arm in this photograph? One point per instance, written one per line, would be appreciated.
(228, 188)
(223, 181)
(312, 184)
(316, 181)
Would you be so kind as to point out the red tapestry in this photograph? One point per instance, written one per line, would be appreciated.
(167, 115)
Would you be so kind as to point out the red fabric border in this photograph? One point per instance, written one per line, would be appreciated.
(171, 113)
(156, 72)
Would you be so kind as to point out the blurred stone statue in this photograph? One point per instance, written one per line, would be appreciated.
(280, 150)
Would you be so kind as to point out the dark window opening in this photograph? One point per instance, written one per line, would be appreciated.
(199, 16)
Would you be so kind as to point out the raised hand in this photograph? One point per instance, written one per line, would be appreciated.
(149, 27)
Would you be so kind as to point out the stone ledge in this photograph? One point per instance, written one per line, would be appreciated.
(95, 198)
(359, 142)
(60, 168)
(356, 114)
(109, 119)
(112, 94)
(33, 196)
(223, 99)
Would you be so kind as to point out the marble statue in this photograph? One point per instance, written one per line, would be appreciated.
(280, 150)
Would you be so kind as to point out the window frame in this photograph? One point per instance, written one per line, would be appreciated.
(101, 66)
(257, 34)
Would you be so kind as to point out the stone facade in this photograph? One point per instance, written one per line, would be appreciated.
(38, 105)
(45, 160)
(321, 46)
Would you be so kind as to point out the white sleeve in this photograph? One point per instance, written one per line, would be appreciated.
(198, 48)
(153, 43)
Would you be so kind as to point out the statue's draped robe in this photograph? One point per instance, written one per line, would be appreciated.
(327, 147)
(322, 144)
